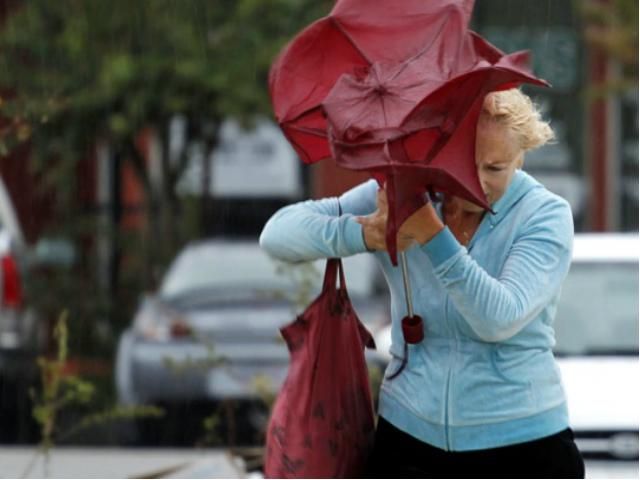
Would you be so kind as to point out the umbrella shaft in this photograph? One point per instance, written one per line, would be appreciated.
(407, 283)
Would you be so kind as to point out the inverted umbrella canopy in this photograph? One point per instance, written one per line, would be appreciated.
(394, 88)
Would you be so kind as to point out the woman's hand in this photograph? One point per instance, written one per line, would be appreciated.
(374, 227)
(422, 225)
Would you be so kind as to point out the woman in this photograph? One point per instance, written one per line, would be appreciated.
(481, 395)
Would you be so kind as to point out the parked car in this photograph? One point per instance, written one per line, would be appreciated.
(20, 335)
(597, 351)
(211, 331)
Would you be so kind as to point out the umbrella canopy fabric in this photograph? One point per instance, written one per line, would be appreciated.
(394, 88)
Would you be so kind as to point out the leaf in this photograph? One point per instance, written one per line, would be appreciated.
(111, 414)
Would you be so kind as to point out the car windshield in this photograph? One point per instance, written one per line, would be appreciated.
(598, 310)
(232, 271)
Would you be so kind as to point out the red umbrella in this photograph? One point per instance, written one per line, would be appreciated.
(394, 88)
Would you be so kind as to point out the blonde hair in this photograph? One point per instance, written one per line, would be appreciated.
(516, 110)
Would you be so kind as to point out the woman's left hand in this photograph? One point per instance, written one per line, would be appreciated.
(422, 225)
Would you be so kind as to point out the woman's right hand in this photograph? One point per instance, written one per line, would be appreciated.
(374, 227)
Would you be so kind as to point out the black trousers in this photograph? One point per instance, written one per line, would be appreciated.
(397, 454)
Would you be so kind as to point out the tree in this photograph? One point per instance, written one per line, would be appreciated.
(84, 73)
(611, 27)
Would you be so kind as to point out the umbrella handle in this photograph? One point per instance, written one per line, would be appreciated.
(407, 284)
(412, 328)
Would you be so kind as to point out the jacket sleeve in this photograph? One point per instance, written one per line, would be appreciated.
(314, 229)
(537, 264)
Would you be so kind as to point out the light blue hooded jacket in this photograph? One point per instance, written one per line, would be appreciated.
(484, 376)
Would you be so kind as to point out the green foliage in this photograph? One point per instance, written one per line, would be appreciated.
(61, 391)
(112, 414)
(612, 28)
(58, 390)
(85, 70)
(77, 73)
(210, 427)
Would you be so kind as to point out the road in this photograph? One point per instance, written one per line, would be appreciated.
(122, 463)
(179, 463)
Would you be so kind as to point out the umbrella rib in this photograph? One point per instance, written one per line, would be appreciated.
(381, 99)
(310, 131)
(384, 111)
(340, 28)
(364, 108)
(421, 52)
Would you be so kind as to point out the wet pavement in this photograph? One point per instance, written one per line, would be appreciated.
(122, 463)
(180, 463)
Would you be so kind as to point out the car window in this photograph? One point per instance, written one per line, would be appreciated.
(246, 268)
(598, 309)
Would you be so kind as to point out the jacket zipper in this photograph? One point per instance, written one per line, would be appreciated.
(447, 398)
(447, 446)
(448, 406)
(454, 341)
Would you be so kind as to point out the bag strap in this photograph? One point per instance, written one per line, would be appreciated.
(334, 265)
(343, 283)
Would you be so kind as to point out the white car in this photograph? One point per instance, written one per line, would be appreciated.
(597, 351)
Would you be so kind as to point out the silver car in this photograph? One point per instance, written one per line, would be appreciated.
(211, 331)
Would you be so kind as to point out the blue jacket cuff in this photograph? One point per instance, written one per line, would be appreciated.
(441, 247)
(353, 238)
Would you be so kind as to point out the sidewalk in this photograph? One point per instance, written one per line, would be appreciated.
(122, 463)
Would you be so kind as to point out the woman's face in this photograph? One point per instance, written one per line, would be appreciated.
(498, 155)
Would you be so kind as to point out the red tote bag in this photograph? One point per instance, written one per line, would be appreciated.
(322, 423)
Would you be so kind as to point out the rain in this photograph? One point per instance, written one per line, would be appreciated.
(142, 153)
